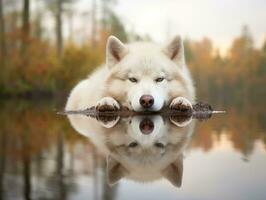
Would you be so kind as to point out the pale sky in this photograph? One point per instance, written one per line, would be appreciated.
(220, 20)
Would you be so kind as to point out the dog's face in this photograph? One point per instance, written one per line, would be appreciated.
(144, 76)
(146, 149)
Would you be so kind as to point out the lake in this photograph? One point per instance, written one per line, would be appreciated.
(43, 157)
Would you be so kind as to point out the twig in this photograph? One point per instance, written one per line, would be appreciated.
(200, 111)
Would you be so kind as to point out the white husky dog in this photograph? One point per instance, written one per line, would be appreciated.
(140, 76)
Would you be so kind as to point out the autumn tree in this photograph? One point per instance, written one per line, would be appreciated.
(58, 16)
(240, 52)
(25, 24)
(58, 7)
(2, 35)
(200, 62)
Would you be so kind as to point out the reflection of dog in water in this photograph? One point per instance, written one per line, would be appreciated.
(140, 148)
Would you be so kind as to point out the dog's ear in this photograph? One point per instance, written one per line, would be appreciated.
(115, 51)
(175, 51)
(115, 171)
(174, 172)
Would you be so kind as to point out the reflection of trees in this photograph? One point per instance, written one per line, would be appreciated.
(109, 192)
(60, 167)
(101, 189)
(95, 175)
(26, 166)
(59, 183)
(32, 131)
(41, 152)
(242, 127)
(2, 161)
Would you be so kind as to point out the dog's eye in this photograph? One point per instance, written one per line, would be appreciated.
(133, 80)
(160, 79)
(133, 144)
(159, 145)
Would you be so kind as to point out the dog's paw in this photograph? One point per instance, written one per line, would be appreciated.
(107, 104)
(181, 104)
(180, 121)
(108, 121)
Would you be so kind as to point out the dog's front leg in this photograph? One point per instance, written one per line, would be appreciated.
(107, 104)
(181, 104)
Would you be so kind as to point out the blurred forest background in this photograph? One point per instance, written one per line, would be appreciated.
(36, 60)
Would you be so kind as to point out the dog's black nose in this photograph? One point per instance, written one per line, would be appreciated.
(146, 101)
(146, 126)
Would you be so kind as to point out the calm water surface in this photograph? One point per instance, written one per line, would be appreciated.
(44, 157)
